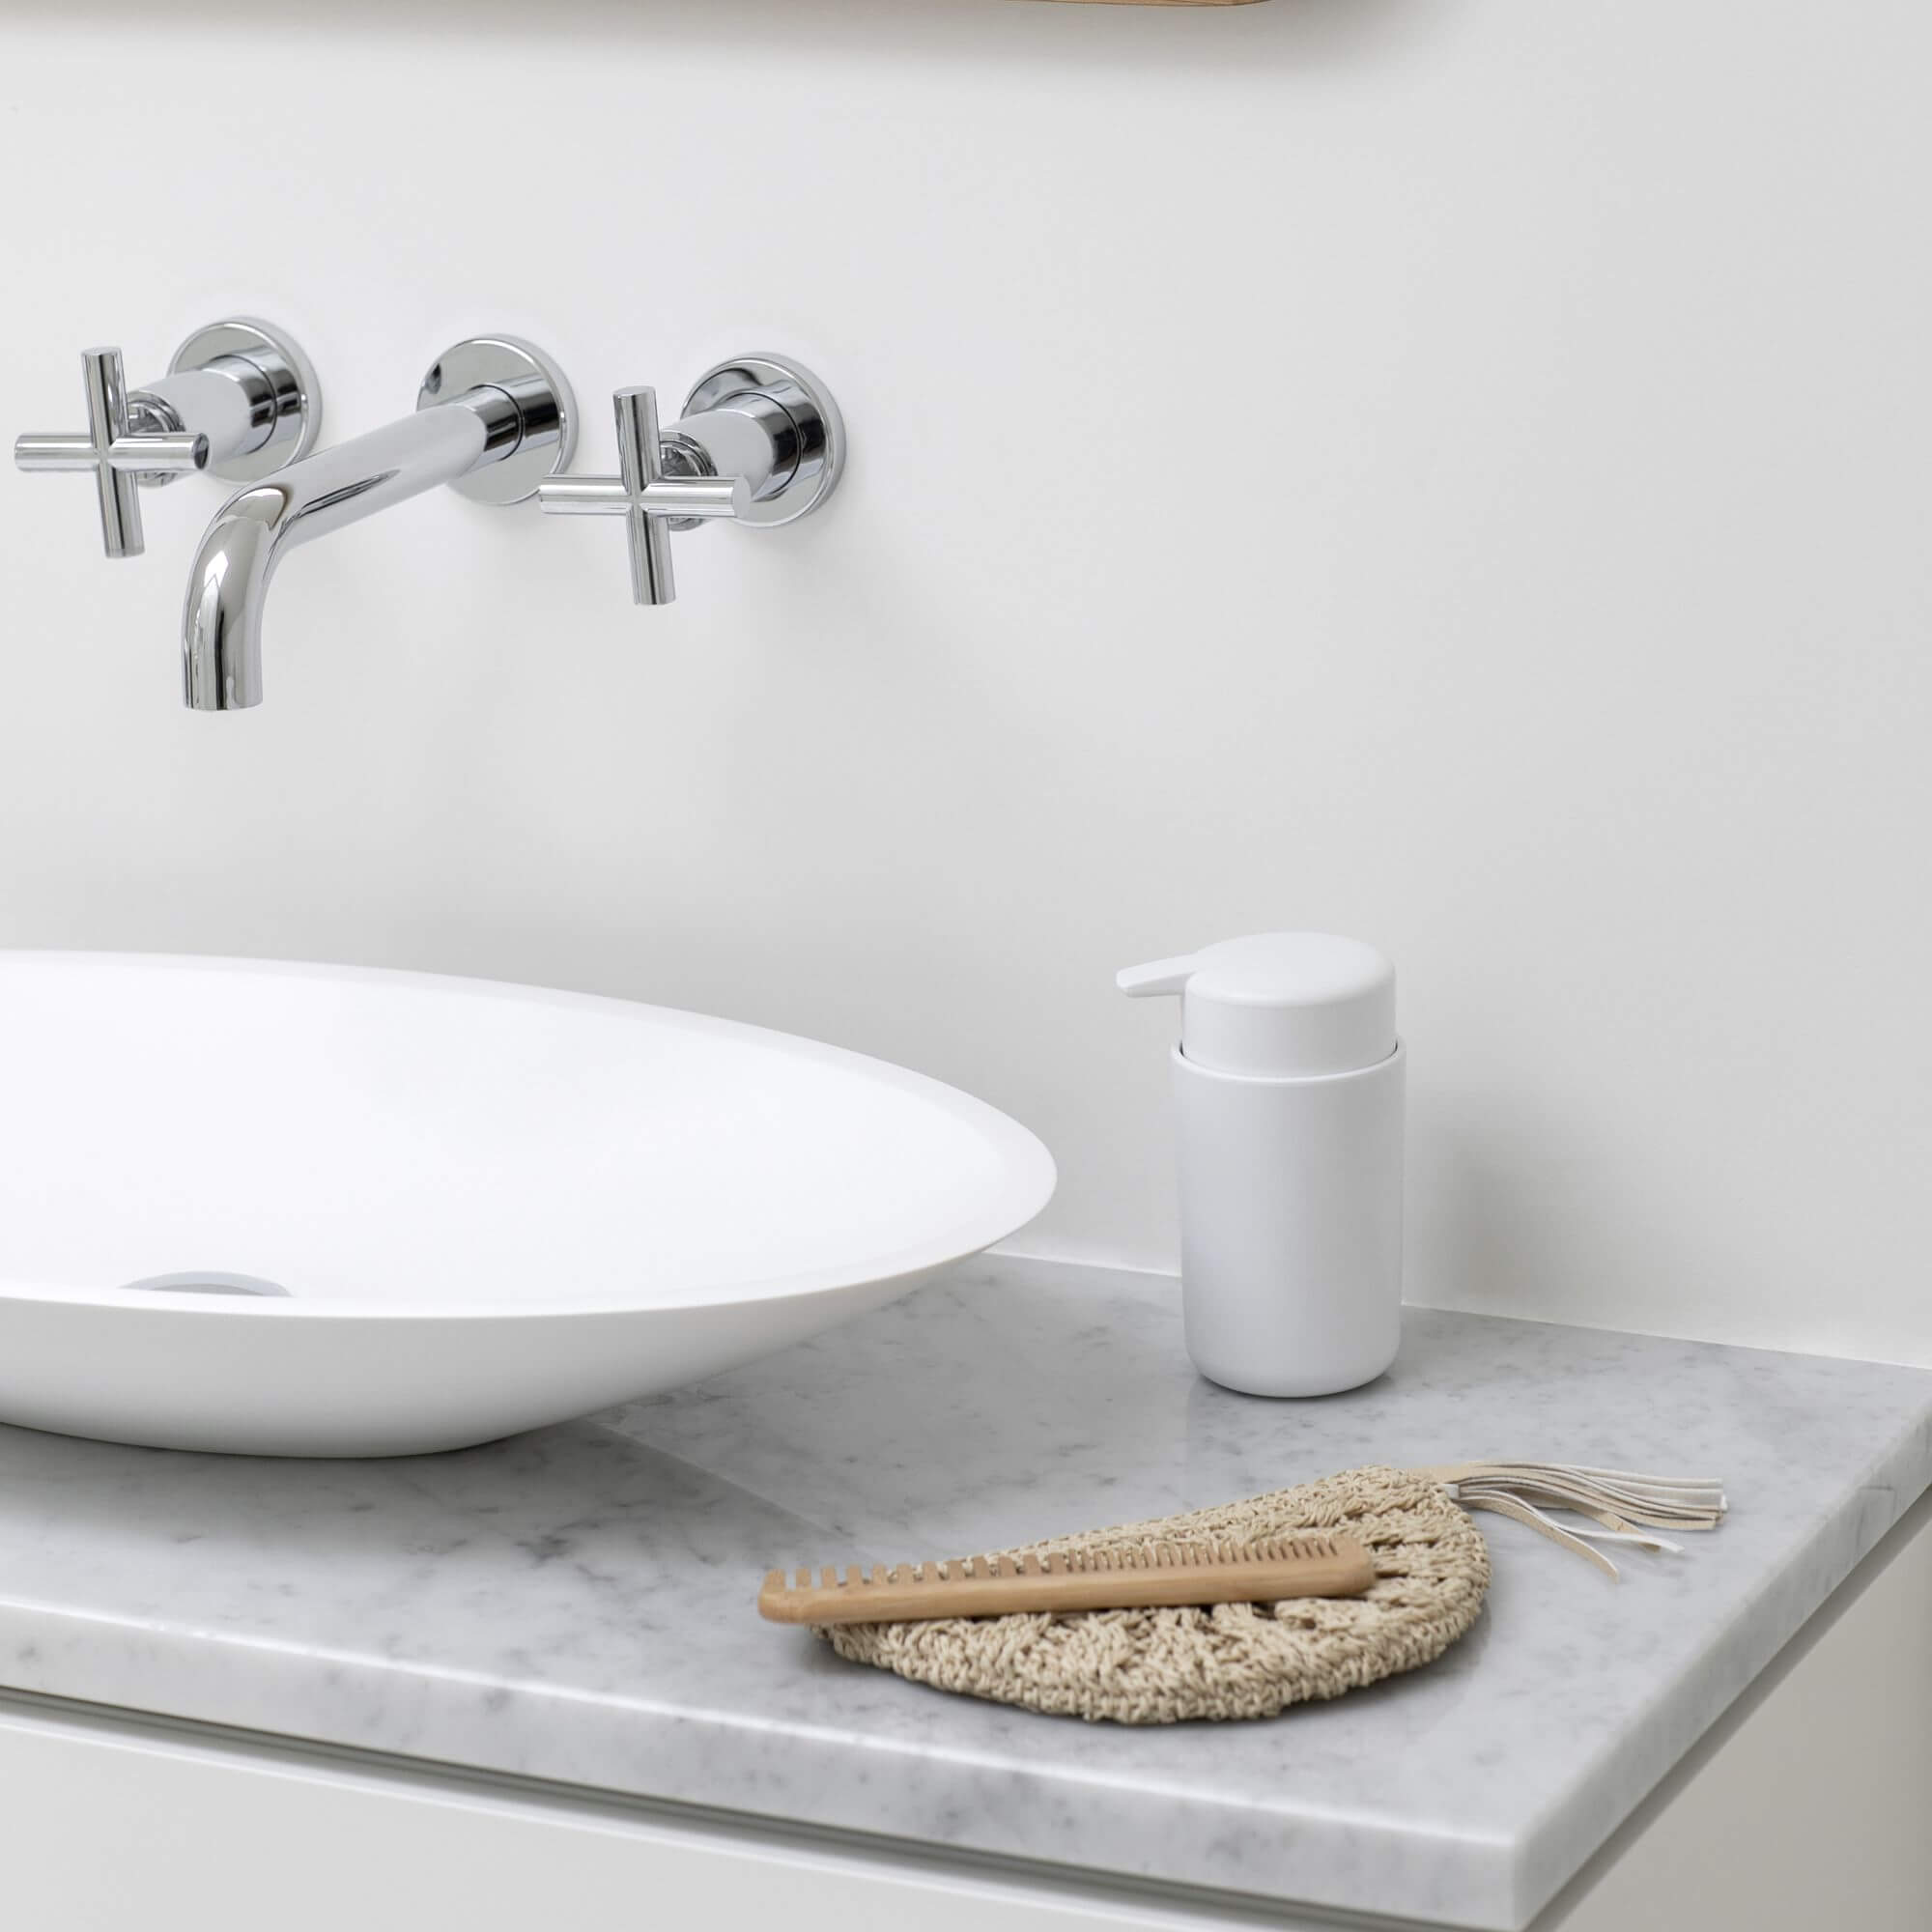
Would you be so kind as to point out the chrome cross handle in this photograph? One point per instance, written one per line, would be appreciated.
(117, 453)
(648, 500)
(239, 399)
(760, 442)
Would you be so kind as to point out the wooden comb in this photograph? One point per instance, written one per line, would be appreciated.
(1148, 1575)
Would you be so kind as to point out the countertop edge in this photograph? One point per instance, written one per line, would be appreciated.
(1549, 1857)
(1485, 1871)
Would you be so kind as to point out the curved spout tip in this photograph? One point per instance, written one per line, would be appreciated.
(221, 622)
(222, 635)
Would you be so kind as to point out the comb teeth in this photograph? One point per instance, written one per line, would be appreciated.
(1165, 1555)
(1099, 1562)
(1128, 1577)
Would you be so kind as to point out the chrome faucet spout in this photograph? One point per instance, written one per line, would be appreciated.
(221, 621)
(222, 626)
(487, 401)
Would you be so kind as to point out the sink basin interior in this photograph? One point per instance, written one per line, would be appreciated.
(406, 1141)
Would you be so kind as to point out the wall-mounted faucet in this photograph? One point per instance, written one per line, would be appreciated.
(761, 444)
(494, 417)
(239, 399)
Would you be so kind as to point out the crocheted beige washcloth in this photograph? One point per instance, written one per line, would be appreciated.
(1160, 1666)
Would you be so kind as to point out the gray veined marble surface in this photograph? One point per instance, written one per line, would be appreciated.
(576, 1604)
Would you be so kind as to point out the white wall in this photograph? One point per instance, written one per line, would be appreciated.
(1451, 474)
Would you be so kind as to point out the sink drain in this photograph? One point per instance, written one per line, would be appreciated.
(205, 1281)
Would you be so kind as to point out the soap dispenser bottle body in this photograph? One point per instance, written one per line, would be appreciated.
(1287, 1082)
(1291, 1225)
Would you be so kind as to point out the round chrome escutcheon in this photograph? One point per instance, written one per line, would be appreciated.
(817, 430)
(291, 379)
(502, 360)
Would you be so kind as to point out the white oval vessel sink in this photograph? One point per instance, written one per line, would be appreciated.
(315, 1210)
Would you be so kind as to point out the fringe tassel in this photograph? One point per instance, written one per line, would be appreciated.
(1626, 1505)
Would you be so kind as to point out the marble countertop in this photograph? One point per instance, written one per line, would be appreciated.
(576, 1604)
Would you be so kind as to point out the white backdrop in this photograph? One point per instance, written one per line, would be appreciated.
(1451, 474)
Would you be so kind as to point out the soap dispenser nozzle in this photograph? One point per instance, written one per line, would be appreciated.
(1158, 976)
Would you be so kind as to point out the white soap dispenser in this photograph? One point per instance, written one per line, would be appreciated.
(1289, 1078)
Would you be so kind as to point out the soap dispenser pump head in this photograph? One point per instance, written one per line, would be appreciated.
(1278, 1004)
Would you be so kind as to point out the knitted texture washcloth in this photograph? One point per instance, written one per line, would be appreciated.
(1160, 1666)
